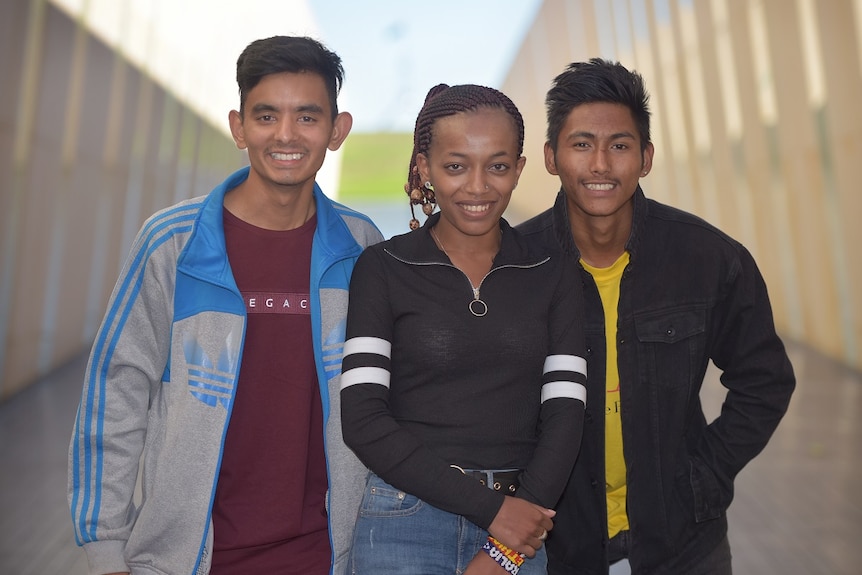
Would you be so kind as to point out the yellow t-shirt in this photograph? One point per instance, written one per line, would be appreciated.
(608, 282)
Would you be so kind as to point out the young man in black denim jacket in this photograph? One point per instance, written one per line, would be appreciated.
(665, 293)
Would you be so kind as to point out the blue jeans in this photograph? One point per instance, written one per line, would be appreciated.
(397, 533)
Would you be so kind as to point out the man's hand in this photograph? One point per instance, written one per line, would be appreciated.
(522, 525)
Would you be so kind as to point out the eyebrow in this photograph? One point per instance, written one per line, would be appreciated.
(257, 108)
(592, 136)
(264, 107)
(314, 108)
(500, 154)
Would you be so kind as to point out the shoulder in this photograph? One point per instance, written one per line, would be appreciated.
(179, 219)
(550, 227)
(360, 226)
(537, 223)
(688, 242)
(184, 211)
(681, 225)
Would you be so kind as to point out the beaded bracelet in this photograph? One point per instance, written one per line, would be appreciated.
(507, 558)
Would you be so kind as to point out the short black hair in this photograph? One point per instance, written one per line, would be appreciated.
(597, 81)
(288, 54)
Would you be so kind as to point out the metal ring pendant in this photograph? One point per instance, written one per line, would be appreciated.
(478, 307)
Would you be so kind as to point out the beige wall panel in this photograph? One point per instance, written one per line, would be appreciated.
(120, 188)
(141, 166)
(41, 181)
(840, 40)
(803, 181)
(20, 42)
(768, 249)
(88, 149)
(679, 78)
(70, 226)
(664, 138)
(13, 39)
(659, 183)
(719, 174)
(112, 190)
(163, 193)
(187, 142)
(87, 213)
(563, 31)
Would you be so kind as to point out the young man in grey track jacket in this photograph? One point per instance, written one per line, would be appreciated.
(216, 368)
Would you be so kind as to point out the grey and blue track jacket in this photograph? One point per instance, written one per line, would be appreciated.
(161, 380)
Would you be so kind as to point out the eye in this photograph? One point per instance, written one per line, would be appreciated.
(266, 118)
(307, 119)
(454, 167)
(499, 167)
(620, 146)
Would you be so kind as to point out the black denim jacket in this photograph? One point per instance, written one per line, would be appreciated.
(690, 294)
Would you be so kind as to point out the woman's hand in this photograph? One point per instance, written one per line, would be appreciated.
(482, 564)
(521, 525)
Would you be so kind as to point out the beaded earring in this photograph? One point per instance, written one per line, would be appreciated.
(424, 197)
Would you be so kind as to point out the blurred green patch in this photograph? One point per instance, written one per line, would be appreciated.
(374, 166)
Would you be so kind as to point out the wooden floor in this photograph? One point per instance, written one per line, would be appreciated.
(797, 511)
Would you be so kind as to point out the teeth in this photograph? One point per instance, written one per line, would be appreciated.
(477, 209)
(284, 157)
(600, 187)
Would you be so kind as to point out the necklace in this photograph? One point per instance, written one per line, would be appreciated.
(477, 307)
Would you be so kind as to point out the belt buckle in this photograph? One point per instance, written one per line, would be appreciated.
(486, 481)
(473, 473)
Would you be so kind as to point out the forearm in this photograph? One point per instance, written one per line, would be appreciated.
(400, 459)
(545, 478)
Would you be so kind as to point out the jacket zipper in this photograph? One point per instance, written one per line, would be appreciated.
(474, 289)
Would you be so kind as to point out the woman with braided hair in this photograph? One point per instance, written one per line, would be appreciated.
(463, 371)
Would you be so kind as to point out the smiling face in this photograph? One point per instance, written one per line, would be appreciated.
(287, 126)
(473, 164)
(599, 161)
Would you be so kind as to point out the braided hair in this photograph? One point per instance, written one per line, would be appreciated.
(443, 100)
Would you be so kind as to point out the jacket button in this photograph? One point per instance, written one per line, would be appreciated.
(671, 331)
(589, 351)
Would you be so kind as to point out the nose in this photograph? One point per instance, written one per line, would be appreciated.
(599, 161)
(284, 130)
(476, 183)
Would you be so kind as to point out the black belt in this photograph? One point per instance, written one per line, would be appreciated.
(506, 481)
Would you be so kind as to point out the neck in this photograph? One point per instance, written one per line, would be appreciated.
(600, 240)
(456, 242)
(278, 209)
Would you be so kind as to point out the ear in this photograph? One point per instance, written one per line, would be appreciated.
(340, 128)
(550, 160)
(519, 167)
(422, 166)
(646, 159)
(236, 129)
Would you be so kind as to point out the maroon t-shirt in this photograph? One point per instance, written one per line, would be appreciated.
(269, 514)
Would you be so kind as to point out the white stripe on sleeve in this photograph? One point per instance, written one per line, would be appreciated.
(359, 375)
(564, 389)
(373, 345)
(565, 363)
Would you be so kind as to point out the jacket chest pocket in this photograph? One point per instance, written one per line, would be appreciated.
(670, 345)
